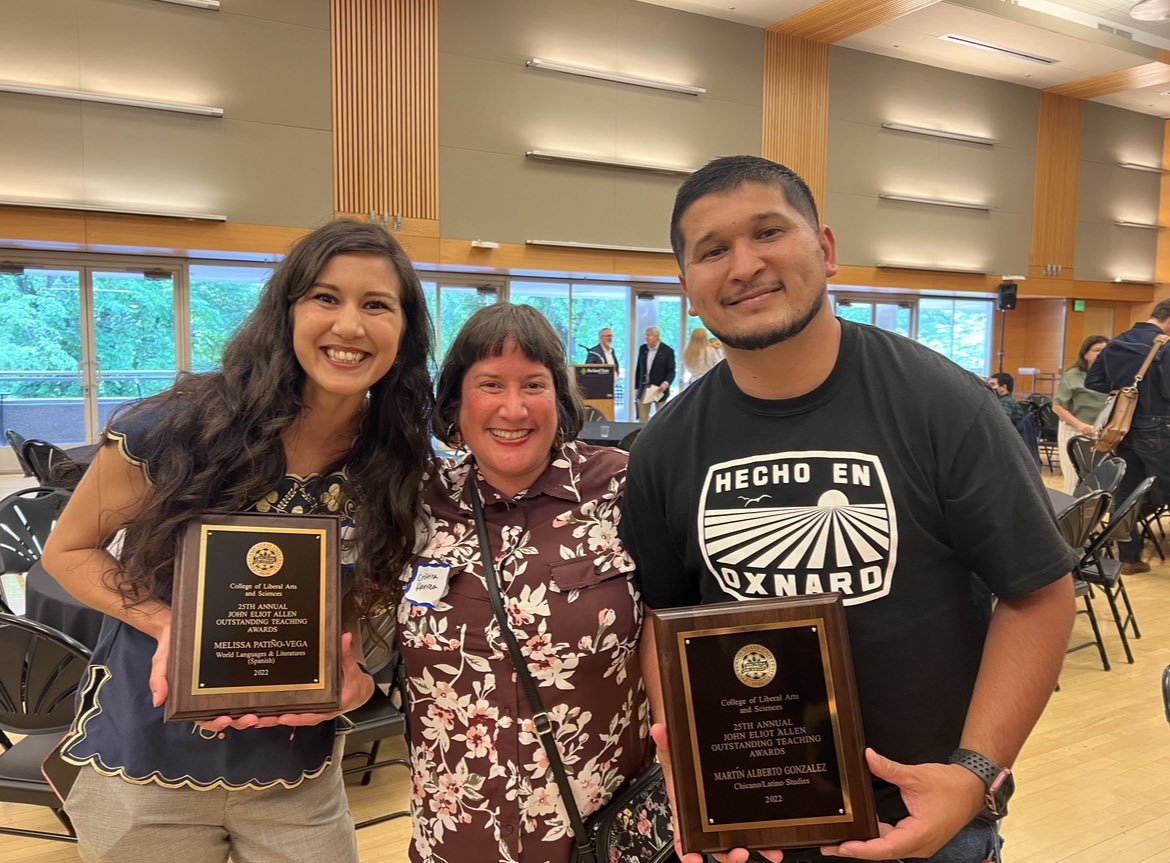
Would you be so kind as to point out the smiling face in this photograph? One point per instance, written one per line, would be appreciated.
(508, 418)
(347, 327)
(755, 270)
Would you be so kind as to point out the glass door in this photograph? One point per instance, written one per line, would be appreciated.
(666, 311)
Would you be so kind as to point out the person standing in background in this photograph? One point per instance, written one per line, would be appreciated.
(698, 356)
(654, 371)
(1076, 405)
(602, 353)
(1146, 449)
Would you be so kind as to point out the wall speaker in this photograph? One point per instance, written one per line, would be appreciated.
(1007, 296)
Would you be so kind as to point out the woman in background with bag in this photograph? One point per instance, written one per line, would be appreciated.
(483, 788)
(1077, 405)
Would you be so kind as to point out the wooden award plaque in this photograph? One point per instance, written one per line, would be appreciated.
(765, 732)
(255, 617)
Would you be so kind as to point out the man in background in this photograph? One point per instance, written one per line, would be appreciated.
(602, 353)
(653, 373)
(1003, 384)
(1146, 449)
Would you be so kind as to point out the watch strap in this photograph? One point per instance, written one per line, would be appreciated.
(994, 777)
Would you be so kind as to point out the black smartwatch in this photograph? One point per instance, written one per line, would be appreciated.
(998, 780)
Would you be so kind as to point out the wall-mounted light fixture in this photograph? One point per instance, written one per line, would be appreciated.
(484, 244)
(108, 99)
(932, 268)
(940, 133)
(209, 5)
(583, 72)
(1123, 281)
(551, 156)
(936, 202)
(111, 208)
(1149, 169)
(605, 247)
(1147, 225)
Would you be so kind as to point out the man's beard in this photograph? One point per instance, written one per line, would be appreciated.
(782, 333)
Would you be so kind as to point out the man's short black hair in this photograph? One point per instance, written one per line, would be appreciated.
(731, 172)
(1005, 380)
(1161, 311)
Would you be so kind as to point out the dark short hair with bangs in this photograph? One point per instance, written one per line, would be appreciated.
(731, 172)
(486, 334)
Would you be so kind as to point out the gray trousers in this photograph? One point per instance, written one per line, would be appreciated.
(124, 822)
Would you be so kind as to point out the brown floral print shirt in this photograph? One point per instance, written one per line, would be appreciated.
(482, 789)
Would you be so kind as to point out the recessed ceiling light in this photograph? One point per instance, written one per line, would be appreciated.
(999, 49)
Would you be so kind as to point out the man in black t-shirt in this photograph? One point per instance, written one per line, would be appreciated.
(798, 466)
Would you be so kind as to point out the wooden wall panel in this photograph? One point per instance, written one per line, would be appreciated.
(1058, 167)
(385, 107)
(834, 20)
(1162, 257)
(796, 107)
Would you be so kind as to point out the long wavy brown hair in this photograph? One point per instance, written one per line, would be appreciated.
(219, 443)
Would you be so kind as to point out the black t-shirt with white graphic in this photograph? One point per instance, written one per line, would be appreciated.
(898, 483)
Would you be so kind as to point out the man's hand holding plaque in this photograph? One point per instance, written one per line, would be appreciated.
(255, 626)
(766, 743)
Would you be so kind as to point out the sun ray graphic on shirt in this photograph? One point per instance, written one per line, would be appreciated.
(832, 533)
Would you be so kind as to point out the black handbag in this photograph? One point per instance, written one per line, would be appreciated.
(635, 826)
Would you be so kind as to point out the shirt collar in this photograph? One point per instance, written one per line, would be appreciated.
(561, 479)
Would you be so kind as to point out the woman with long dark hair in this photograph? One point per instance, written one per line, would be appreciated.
(322, 405)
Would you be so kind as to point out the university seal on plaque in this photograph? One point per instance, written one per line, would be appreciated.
(265, 559)
(755, 665)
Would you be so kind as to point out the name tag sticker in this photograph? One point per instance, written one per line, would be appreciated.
(428, 584)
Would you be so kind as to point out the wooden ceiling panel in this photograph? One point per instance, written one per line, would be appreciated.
(835, 20)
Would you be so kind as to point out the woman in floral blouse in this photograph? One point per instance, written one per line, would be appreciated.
(482, 789)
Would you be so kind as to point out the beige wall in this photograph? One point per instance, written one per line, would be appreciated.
(865, 160)
(265, 62)
(1104, 250)
(492, 109)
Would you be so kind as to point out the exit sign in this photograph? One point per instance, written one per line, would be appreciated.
(1078, 305)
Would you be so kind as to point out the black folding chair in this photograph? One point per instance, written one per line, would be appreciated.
(1049, 423)
(26, 519)
(1106, 475)
(1083, 455)
(16, 441)
(1104, 572)
(40, 672)
(51, 465)
(1076, 523)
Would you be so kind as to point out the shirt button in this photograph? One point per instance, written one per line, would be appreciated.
(509, 829)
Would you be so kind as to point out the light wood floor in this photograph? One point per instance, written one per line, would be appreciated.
(1093, 782)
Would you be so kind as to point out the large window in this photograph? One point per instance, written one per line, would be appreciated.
(959, 329)
(221, 298)
(450, 307)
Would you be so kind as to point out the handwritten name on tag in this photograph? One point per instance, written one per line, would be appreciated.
(428, 584)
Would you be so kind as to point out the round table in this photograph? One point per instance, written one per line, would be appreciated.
(49, 603)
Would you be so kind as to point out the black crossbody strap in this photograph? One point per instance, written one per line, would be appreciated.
(540, 719)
